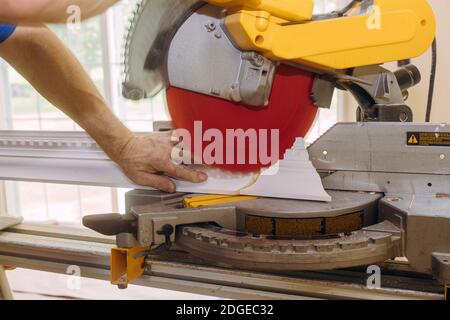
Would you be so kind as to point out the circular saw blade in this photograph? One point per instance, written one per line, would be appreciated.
(153, 25)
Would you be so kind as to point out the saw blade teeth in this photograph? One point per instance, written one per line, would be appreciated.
(150, 22)
(132, 21)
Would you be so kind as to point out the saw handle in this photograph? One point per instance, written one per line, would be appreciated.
(111, 224)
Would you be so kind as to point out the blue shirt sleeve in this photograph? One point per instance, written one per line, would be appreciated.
(6, 30)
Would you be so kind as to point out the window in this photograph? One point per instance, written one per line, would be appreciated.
(326, 117)
(98, 45)
(27, 110)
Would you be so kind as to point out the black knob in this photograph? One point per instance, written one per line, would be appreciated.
(408, 76)
(167, 230)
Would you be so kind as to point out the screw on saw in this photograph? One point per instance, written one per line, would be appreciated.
(255, 58)
(167, 230)
(258, 59)
(210, 26)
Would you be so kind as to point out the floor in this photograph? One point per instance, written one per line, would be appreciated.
(36, 285)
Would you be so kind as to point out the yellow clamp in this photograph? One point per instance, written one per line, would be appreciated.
(127, 264)
(211, 200)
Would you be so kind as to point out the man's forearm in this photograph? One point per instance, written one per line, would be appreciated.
(48, 11)
(52, 69)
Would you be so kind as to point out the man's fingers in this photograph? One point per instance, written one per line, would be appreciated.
(158, 182)
(183, 173)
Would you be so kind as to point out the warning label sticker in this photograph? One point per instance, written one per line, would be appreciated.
(428, 139)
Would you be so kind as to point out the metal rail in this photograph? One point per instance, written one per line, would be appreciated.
(57, 157)
(34, 247)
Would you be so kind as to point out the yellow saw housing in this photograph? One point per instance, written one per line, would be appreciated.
(284, 30)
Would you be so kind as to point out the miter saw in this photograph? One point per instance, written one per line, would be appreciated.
(269, 64)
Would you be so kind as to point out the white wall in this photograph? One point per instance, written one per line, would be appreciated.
(419, 94)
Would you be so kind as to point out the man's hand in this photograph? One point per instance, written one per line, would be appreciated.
(146, 160)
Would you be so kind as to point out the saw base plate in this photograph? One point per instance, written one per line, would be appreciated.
(348, 211)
